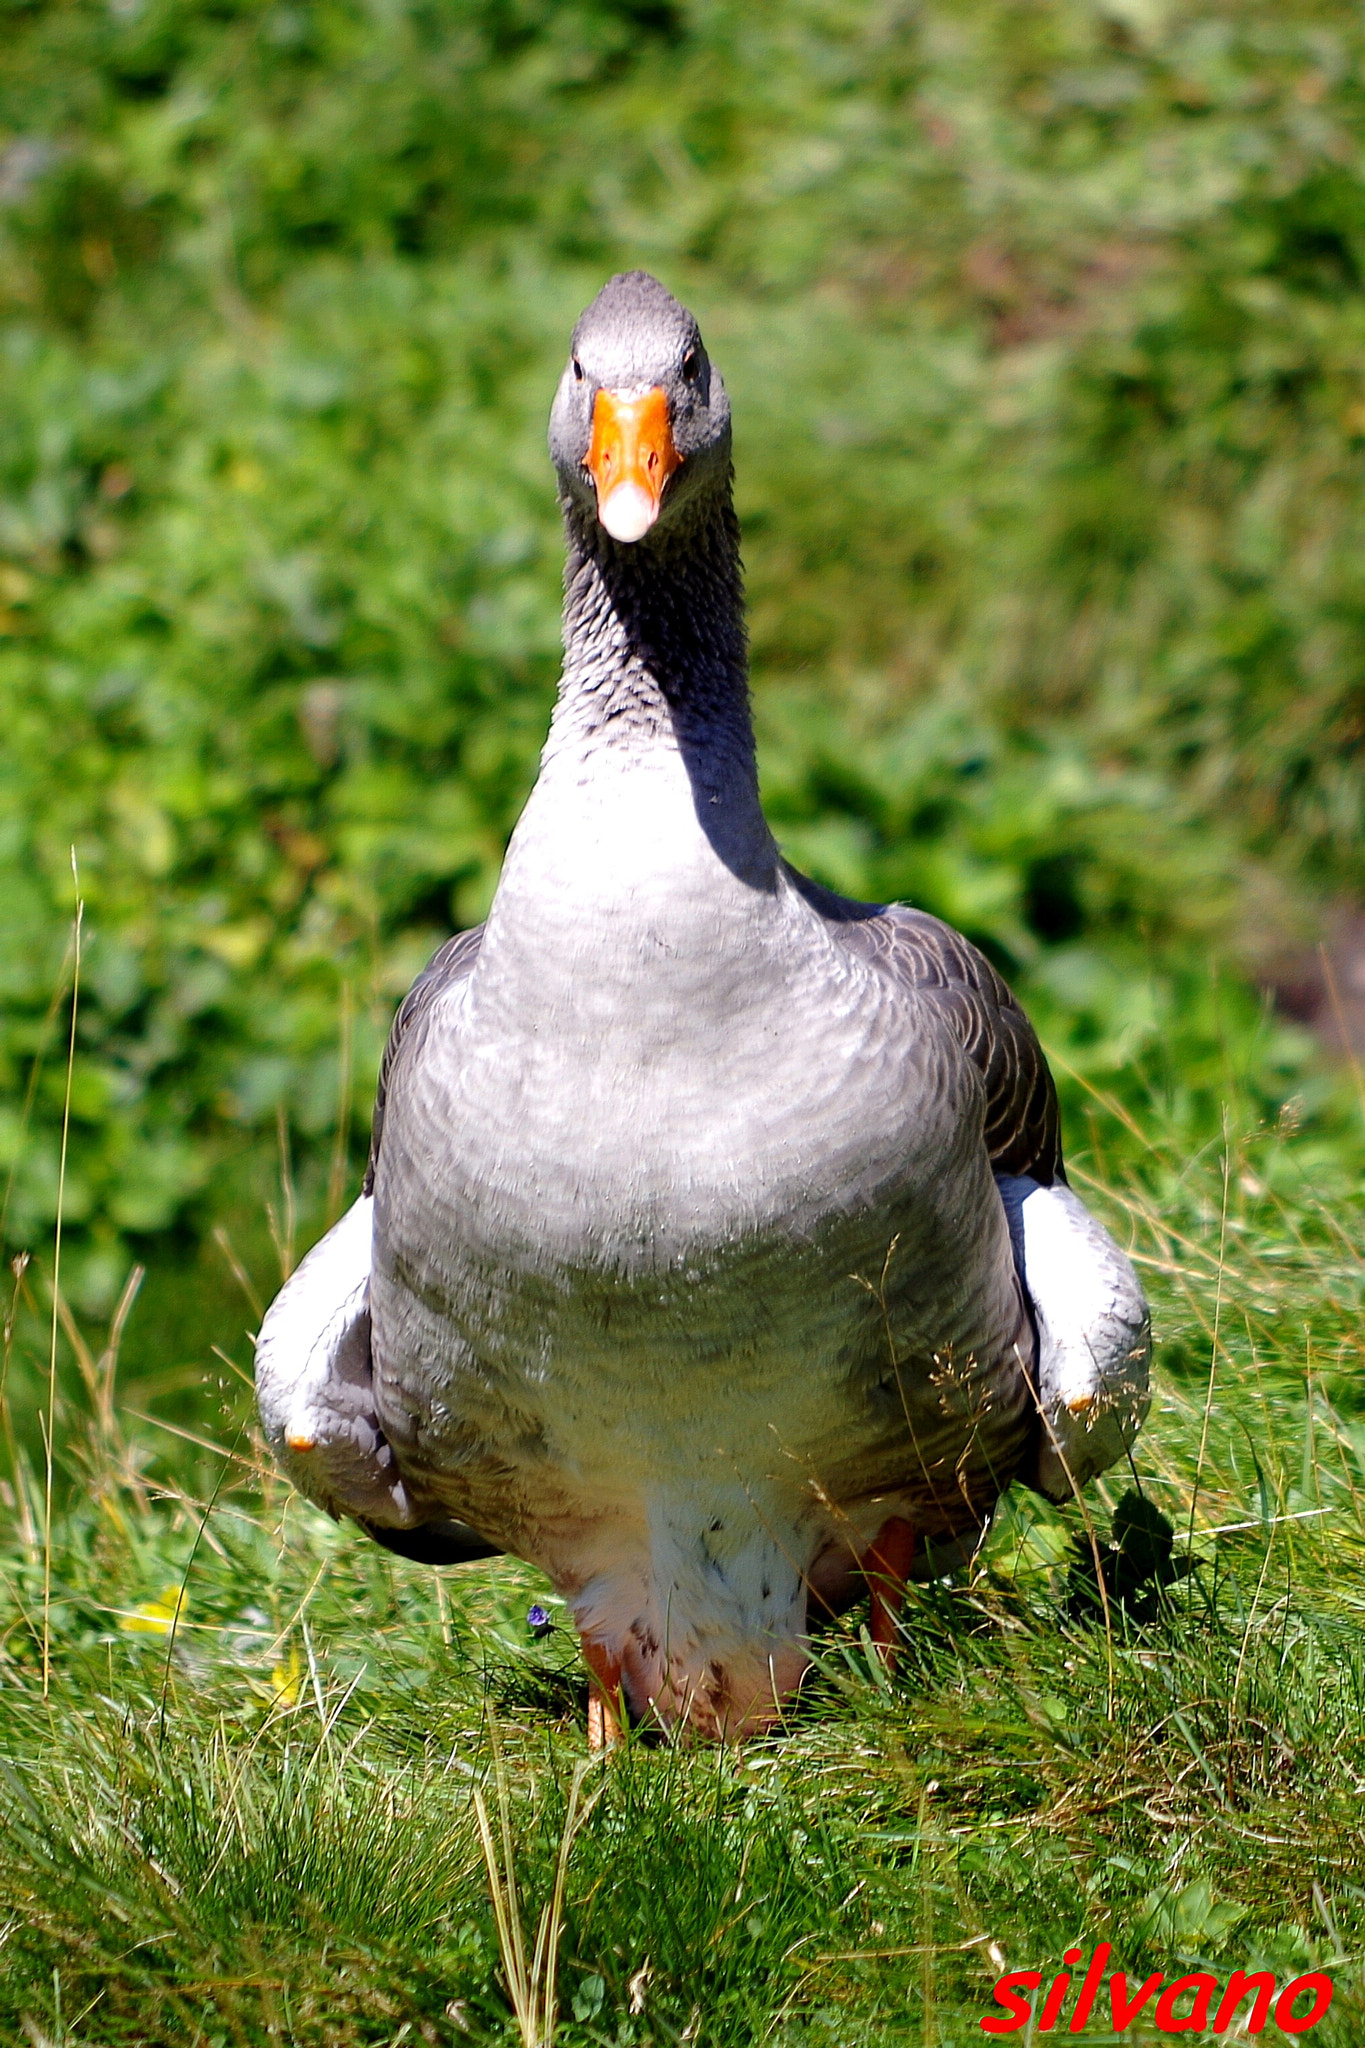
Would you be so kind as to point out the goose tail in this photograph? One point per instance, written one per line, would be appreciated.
(315, 1393)
(1094, 1335)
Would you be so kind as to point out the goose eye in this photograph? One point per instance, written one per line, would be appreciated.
(691, 365)
(577, 370)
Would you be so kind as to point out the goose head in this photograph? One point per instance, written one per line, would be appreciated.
(640, 426)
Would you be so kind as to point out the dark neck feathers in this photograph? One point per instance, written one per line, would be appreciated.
(654, 644)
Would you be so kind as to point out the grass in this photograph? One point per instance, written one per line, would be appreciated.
(284, 1787)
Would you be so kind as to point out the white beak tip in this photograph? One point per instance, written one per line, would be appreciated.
(628, 512)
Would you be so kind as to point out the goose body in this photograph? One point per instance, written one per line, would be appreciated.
(715, 1224)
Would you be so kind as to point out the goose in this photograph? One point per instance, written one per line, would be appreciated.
(715, 1253)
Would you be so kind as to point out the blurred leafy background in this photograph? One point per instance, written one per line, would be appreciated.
(1043, 324)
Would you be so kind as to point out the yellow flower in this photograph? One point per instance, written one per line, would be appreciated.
(285, 1677)
(155, 1617)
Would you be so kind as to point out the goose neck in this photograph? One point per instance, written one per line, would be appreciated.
(654, 645)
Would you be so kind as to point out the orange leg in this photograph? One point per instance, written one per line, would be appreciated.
(604, 1698)
(886, 1567)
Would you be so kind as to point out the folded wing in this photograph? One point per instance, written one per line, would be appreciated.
(314, 1369)
(1093, 1327)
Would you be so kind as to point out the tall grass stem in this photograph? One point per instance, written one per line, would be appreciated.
(336, 1178)
(50, 1420)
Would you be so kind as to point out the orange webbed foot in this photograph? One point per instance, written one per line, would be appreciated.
(886, 1566)
(605, 1729)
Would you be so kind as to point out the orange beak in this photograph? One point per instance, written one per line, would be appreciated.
(631, 457)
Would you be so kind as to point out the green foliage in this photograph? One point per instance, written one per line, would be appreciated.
(259, 1827)
(1044, 329)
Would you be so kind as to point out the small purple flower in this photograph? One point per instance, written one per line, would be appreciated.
(538, 1621)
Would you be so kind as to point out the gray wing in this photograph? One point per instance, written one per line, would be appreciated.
(1023, 1126)
(1093, 1328)
(452, 962)
(314, 1369)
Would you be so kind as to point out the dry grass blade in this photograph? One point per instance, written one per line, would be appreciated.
(1217, 1327)
(50, 1419)
(179, 1606)
(533, 1991)
(108, 1453)
(27, 1525)
(238, 1271)
(283, 1220)
(336, 1178)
